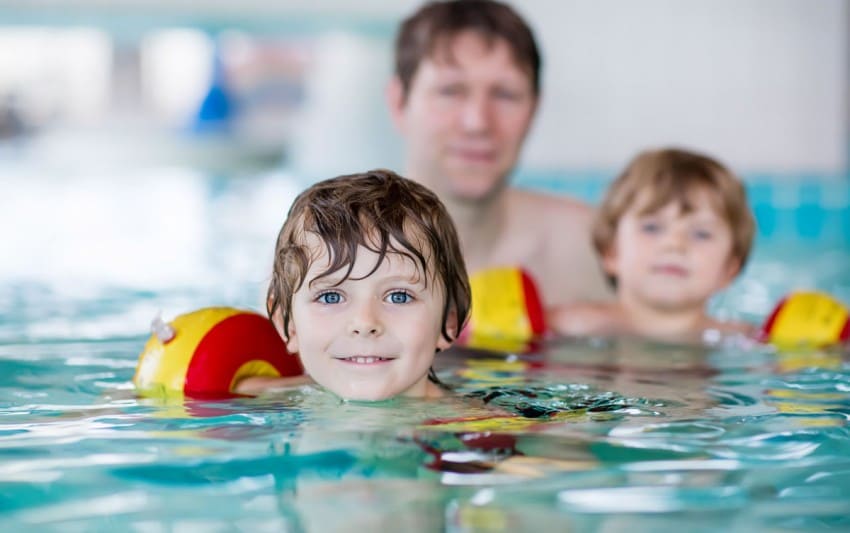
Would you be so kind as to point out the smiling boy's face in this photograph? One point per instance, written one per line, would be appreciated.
(669, 259)
(371, 338)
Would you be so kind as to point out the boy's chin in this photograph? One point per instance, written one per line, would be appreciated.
(671, 300)
(369, 392)
(363, 392)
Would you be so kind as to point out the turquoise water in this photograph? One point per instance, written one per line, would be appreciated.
(584, 435)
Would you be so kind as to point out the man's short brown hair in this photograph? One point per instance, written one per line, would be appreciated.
(668, 175)
(436, 23)
(382, 212)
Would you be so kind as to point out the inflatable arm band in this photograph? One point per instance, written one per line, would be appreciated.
(206, 352)
(507, 314)
(807, 318)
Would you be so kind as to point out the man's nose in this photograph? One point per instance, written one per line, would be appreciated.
(476, 115)
(366, 321)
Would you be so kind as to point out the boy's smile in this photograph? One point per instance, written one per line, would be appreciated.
(669, 269)
(372, 335)
(365, 359)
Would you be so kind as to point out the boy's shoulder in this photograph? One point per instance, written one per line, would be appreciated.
(730, 327)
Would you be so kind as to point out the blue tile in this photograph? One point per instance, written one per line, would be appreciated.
(789, 208)
(810, 193)
(809, 219)
(843, 229)
(759, 193)
(765, 216)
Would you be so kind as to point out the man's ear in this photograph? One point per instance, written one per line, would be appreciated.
(395, 102)
(535, 107)
(451, 329)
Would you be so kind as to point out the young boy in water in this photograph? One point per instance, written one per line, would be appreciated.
(672, 230)
(368, 284)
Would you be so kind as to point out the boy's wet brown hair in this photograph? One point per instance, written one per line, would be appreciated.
(660, 177)
(383, 212)
(430, 31)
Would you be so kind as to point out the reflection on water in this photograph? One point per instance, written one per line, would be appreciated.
(586, 435)
(581, 435)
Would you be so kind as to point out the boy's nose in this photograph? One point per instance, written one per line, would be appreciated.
(365, 322)
(676, 239)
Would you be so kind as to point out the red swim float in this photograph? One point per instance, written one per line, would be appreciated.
(206, 353)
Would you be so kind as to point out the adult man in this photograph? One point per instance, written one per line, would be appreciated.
(465, 91)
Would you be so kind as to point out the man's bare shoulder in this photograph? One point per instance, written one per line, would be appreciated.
(560, 208)
(560, 228)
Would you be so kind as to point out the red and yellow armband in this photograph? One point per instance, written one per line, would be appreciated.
(206, 353)
(807, 319)
(506, 313)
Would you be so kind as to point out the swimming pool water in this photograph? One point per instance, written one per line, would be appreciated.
(584, 435)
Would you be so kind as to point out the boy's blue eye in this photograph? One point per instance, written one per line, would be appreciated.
(400, 297)
(702, 235)
(330, 297)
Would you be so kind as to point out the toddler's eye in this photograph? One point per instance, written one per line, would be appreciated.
(399, 297)
(702, 235)
(329, 297)
(650, 227)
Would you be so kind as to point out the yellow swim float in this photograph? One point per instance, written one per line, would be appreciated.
(807, 318)
(507, 314)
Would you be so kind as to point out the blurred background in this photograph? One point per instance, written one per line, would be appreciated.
(152, 144)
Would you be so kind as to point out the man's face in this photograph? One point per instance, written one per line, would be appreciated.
(466, 114)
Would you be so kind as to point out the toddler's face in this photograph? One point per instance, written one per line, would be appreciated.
(371, 338)
(669, 259)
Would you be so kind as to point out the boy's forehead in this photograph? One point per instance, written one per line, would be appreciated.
(690, 198)
(318, 246)
(365, 259)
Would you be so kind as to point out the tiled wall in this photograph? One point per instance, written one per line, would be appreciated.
(788, 209)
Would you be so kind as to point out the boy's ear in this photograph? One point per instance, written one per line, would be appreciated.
(733, 267)
(292, 339)
(289, 338)
(608, 259)
(451, 329)
(277, 321)
(395, 102)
